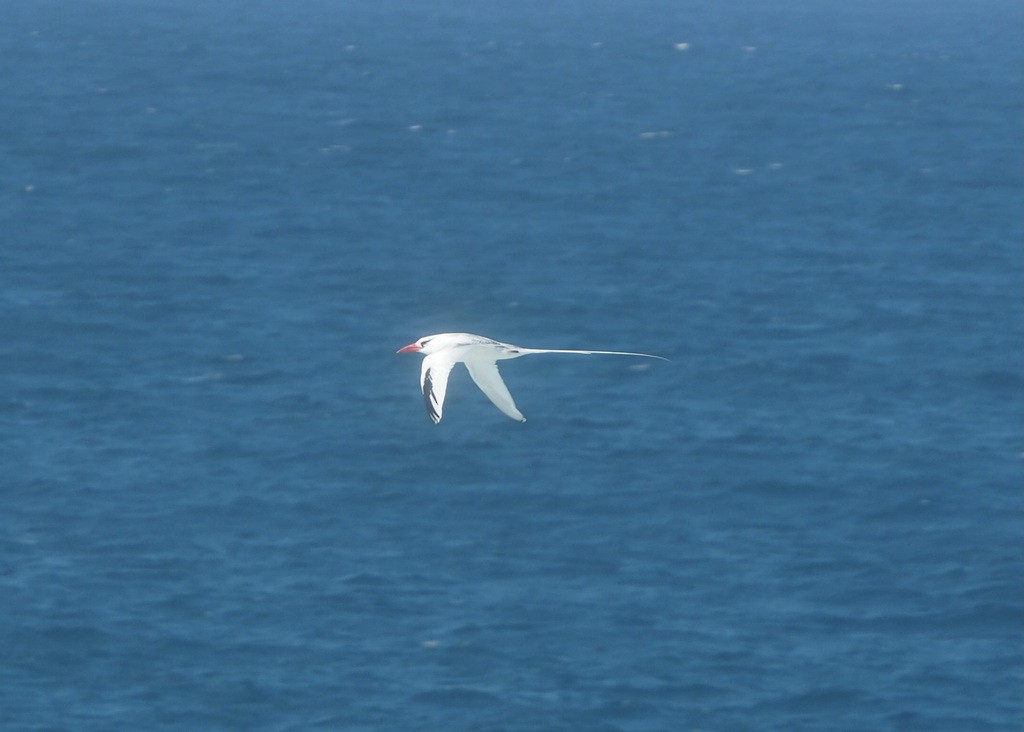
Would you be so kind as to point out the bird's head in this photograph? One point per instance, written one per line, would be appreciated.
(423, 345)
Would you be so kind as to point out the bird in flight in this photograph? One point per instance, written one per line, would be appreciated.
(480, 355)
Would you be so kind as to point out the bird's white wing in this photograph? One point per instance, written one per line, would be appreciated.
(434, 380)
(485, 375)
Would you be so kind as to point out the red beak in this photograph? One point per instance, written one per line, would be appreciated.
(411, 348)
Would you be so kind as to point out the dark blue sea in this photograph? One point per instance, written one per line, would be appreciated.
(223, 506)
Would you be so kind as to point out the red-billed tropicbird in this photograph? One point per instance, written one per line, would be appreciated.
(480, 355)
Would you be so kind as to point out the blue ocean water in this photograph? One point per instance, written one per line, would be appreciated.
(222, 505)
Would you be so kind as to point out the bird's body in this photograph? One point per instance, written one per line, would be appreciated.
(480, 355)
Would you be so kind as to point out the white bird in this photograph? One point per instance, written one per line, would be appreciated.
(480, 355)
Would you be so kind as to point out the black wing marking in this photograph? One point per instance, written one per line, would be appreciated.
(434, 380)
(430, 399)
